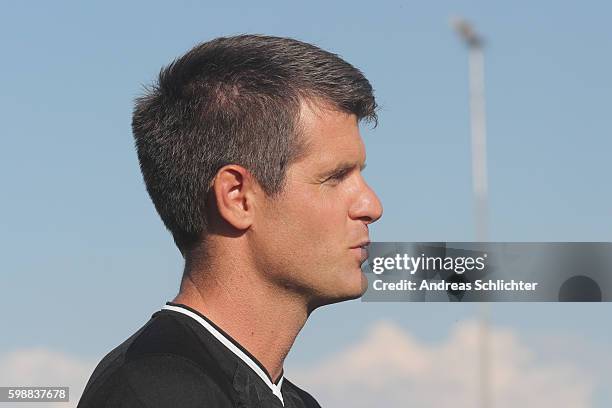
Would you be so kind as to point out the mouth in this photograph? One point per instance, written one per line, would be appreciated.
(362, 244)
(361, 250)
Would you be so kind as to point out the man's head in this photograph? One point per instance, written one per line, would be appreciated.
(257, 138)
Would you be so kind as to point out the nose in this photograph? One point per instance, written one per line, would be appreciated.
(367, 207)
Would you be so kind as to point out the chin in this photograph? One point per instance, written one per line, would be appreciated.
(352, 287)
(355, 284)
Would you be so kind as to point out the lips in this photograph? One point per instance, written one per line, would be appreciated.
(363, 244)
(362, 250)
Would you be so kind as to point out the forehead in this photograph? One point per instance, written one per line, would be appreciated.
(330, 136)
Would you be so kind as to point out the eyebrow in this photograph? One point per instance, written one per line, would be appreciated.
(341, 168)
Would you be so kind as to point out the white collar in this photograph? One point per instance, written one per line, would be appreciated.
(229, 343)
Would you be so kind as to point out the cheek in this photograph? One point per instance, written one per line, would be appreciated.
(320, 219)
(310, 219)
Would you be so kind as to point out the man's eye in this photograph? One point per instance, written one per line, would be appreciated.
(337, 177)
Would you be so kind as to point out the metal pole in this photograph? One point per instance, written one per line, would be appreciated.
(478, 125)
(484, 369)
(479, 182)
(479, 141)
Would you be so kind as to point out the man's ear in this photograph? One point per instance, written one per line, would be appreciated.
(234, 190)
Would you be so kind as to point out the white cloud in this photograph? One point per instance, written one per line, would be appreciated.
(43, 367)
(390, 368)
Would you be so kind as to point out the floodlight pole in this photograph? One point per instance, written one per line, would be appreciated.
(478, 125)
(474, 43)
(479, 141)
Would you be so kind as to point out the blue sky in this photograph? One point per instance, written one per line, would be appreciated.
(85, 258)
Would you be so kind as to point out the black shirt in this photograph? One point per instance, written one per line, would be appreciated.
(180, 359)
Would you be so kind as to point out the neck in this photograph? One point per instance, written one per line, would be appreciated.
(262, 317)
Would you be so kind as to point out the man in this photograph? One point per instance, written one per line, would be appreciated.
(251, 153)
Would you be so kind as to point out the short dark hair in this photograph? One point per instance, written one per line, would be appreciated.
(233, 100)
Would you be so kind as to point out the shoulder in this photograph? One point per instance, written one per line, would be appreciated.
(162, 381)
(164, 364)
(303, 398)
